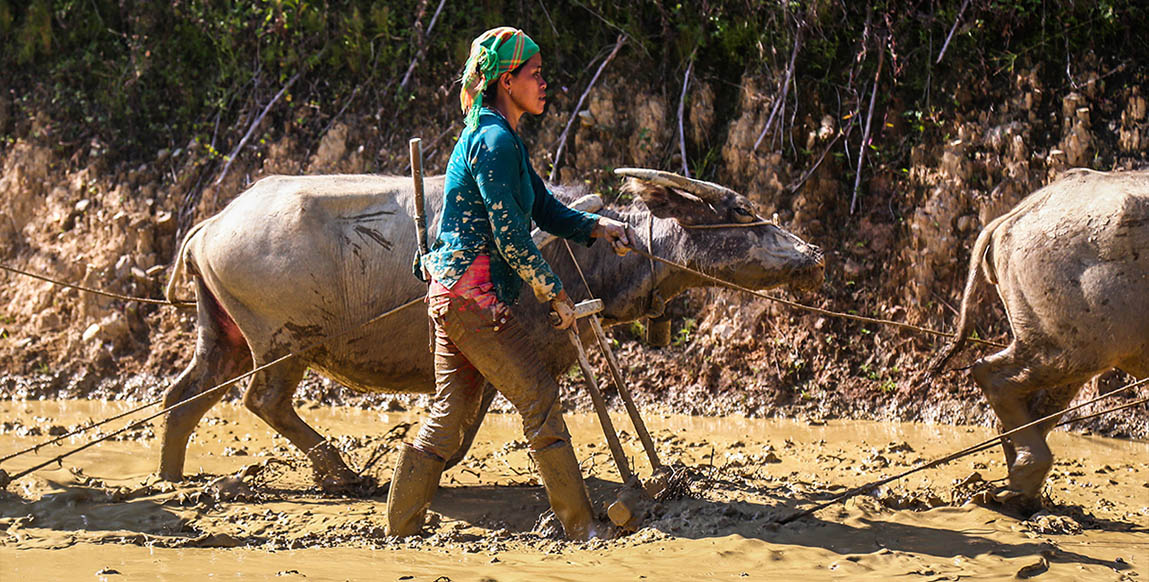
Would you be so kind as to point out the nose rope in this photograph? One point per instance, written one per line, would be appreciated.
(650, 299)
(578, 267)
(648, 255)
(859, 318)
(818, 310)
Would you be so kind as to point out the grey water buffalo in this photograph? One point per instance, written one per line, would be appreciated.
(296, 259)
(1071, 265)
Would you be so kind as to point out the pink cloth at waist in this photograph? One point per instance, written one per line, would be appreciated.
(475, 284)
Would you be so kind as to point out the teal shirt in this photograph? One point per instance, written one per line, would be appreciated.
(490, 196)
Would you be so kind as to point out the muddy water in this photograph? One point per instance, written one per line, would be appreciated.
(103, 516)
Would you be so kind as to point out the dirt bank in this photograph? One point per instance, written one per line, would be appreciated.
(102, 510)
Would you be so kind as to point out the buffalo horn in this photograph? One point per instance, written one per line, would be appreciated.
(708, 191)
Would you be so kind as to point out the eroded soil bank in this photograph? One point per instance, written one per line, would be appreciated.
(103, 515)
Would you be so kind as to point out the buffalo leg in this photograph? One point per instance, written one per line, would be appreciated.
(220, 354)
(1136, 366)
(1006, 384)
(1047, 402)
(269, 397)
(1008, 380)
(469, 432)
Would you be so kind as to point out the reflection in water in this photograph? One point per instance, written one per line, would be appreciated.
(103, 511)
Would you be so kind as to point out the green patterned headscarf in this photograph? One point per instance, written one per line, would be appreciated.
(495, 52)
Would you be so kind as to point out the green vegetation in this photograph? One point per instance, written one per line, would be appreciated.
(637, 328)
(141, 76)
(682, 337)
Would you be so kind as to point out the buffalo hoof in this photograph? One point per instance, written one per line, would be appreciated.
(1009, 501)
(605, 530)
(360, 487)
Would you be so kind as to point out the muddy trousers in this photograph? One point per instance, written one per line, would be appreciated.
(472, 343)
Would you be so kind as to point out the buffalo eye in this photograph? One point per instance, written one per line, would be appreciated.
(743, 215)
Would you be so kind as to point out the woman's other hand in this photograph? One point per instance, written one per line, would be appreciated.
(563, 310)
(618, 234)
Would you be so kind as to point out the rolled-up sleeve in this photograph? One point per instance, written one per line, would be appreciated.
(559, 219)
(496, 165)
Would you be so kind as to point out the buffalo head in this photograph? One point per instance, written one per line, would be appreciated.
(716, 230)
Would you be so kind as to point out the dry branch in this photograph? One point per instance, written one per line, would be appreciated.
(681, 108)
(547, 13)
(806, 175)
(785, 87)
(578, 107)
(419, 54)
(869, 118)
(433, 146)
(952, 30)
(254, 124)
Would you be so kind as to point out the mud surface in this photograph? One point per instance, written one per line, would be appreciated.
(248, 509)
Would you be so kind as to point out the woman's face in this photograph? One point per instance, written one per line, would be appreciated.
(528, 90)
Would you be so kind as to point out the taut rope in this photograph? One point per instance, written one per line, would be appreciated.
(993, 442)
(203, 394)
(97, 291)
(811, 308)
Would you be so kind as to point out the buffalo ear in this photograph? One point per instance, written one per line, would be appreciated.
(661, 201)
(664, 202)
(647, 192)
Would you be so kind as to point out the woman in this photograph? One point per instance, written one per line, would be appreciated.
(482, 255)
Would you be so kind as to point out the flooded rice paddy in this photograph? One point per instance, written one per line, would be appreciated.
(247, 508)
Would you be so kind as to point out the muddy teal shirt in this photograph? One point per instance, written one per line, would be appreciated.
(490, 197)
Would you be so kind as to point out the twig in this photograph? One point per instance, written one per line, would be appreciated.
(433, 145)
(215, 129)
(384, 447)
(578, 107)
(681, 108)
(254, 125)
(855, 69)
(191, 200)
(943, 301)
(192, 197)
(785, 87)
(929, 72)
(548, 15)
(422, 46)
(806, 176)
(793, 115)
(370, 82)
(952, 30)
(351, 99)
(866, 131)
(621, 31)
